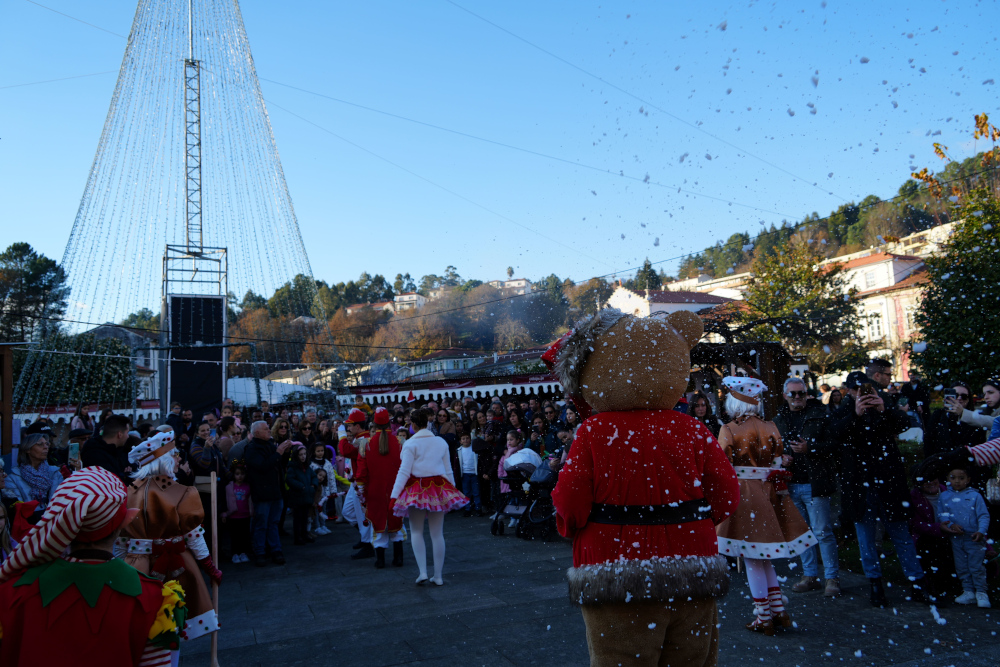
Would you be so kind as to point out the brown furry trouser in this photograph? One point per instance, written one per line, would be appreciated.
(674, 634)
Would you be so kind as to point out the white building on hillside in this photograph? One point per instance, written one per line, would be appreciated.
(299, 376)
(387, 306)
(648, 302)
(409, 301)
(513, 286)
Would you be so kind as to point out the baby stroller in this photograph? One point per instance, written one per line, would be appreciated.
(539, 521)
(519, 467)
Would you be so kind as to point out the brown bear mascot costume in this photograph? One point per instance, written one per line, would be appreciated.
(641, 494)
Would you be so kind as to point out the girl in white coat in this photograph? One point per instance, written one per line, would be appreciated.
(425, 489)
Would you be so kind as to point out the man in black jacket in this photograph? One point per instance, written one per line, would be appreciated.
(804, 424)
(106, 449)
(918, 395)
(873, 480)
(263, 462)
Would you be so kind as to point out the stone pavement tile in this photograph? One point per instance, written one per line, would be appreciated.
(505, 603)
(443, 606)
(232, 638)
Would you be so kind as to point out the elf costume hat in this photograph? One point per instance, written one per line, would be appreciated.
(746, 389)
(152, 449)
(356, 416)
(88, 506)
(382, 416)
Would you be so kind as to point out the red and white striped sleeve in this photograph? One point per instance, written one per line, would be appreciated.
(987, 453)
(154, 656)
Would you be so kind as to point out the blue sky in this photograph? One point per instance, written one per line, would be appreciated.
(728, 88)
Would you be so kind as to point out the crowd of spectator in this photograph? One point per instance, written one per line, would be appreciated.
(841, 446)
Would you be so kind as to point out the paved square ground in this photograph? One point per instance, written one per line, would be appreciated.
(505, 603)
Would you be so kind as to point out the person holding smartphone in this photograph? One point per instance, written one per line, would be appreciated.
(945, 428)
(206, 457)
(873, 479)
(985, 417)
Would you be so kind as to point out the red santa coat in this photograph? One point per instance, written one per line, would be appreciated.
(349, 450)
(644, 458)
(375, 476)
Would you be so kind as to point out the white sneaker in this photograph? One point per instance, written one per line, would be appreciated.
(513, 522)
(237, 559)
(244, 558)
(968, 597)
(323, 530)
(982, 600)
(493, 516)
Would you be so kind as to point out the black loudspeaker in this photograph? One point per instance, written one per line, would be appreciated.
(197, 372)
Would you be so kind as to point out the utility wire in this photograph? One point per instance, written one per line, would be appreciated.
(73, 18)
(689, 124)
(65, 78)
(437, 185)
(494, 142)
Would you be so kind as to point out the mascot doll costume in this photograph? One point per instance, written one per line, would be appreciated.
(641, 493)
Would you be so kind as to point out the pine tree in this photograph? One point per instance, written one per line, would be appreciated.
(959, 314)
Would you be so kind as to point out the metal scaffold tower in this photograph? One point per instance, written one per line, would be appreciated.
(186, 169)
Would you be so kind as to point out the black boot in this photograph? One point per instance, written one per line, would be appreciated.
(359, 545)
(397, 554)
(366, 551)
(380, 557)
(877, 593)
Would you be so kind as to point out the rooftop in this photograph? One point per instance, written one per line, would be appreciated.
(876, 258)
(918, 277)
(658, 296)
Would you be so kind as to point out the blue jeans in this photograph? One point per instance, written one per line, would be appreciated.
(816, 512)
(898, 532)
(470, 487)
(266, 515)
(969, 564)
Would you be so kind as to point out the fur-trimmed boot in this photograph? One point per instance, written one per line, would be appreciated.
(776, 601)
(397, 554)
(762, 617)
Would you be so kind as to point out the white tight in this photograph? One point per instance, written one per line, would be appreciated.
(760, 576)
(435, 521)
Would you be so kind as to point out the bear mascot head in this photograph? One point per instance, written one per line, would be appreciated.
(642, 490)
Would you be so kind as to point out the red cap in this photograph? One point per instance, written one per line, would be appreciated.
(381, 416)
(356, 416)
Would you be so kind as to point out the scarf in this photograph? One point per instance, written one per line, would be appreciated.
(40, 482)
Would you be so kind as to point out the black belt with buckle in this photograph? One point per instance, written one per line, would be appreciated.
(650, 515)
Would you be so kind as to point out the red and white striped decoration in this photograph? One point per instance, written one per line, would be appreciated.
(88, 501)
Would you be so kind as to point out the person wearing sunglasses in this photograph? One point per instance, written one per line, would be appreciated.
(306, 433)
(946, 429)
(810, 454)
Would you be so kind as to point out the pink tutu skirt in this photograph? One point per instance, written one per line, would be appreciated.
(433, 494)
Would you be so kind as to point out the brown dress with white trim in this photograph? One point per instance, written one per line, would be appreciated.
(766, 524)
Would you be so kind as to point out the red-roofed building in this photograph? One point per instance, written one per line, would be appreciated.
(387, 306)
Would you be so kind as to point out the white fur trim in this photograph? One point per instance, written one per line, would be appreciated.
(200, 625)
(768, 550)
(660, 579)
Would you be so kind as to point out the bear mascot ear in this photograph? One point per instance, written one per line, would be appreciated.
(688, 325)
